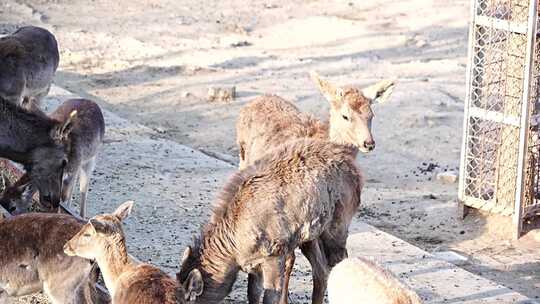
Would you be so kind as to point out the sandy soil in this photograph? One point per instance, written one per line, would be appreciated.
(153, 61)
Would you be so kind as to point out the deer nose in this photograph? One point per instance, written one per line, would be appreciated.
(369, 145)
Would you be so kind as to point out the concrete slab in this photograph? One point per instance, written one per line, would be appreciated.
(173, 187)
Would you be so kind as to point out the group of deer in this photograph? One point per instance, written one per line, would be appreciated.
(298, 187)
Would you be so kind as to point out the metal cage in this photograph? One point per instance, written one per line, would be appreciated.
(499, 169)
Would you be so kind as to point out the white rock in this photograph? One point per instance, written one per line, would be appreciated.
(221, 94)
(448, 177)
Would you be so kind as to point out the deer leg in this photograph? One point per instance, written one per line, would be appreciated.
(319, 267)
(273, 270)
(334, 245)
(289, 265)
(255, 286)
(84, 183)
(70, 286)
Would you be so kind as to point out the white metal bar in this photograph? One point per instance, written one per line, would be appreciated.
(524, 131)
(499, 24)
(468, 86)
(494, 116)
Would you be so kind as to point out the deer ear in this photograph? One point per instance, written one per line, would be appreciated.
(124, 210)
(63, 129)
(379, 92)
(186, 255)
(194, 285)
(330, 92)
(98, 225)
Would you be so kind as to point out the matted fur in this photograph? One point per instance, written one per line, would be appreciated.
(358, 280)
(298, 193)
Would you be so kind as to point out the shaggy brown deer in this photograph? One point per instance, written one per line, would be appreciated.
(39, 143)
(32, 260)
(304, 195)
(29, 60)
(357, 280)
(80, 144)
(102, 239)
(270, 120)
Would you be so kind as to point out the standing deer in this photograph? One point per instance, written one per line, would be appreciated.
(270, 120)
(304, 194)
(102, 239)
(32, 260)
(357, 280)
(29, 60)
(39, 143)
(81, 145)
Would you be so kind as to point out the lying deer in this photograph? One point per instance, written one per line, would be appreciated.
(102, 239)
(80, 145)
(270, 120)
(29, 61)
(32, 260)
(357, 280)
(304, 195)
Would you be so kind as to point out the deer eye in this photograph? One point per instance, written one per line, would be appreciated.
(345, 117)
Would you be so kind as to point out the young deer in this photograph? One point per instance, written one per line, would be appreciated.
(304, 195)
(32, 260)
(82, 145)
(85, 139)
(17, 198)
(357, 280)
(102, 239)
(29, 60)
(39, 143)
(270, 120)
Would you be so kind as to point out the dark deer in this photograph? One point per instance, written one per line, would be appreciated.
(82, 144)
(29, 60)
(39, 143)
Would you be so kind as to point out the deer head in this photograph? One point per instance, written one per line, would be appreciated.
(47, 163)
(100, 234)
(17, 198)
(350, 110)
(189, 276)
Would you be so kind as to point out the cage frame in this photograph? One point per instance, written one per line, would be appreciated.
(524, 123)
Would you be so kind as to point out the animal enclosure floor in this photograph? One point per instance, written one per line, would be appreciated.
(152, 62)
(173, 187)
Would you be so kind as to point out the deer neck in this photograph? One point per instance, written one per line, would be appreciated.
(113, 262)
(219, 269)
(21, 131)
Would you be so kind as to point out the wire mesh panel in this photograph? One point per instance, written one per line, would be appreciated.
(493, 166)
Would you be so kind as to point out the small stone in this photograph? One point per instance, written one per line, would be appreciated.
(221, 94)
(448, 177)
(185, 94)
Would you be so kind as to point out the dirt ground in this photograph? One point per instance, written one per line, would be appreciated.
(153, 61)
